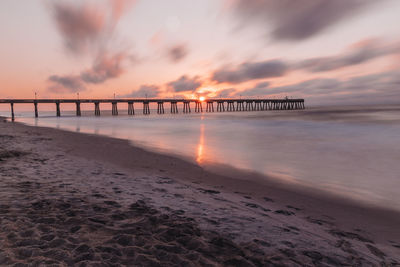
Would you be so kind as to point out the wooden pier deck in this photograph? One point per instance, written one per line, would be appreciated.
(222, 104)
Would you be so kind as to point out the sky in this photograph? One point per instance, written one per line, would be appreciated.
(327, 52)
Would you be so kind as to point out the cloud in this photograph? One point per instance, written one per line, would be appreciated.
(364, 52)
(379, 88)
(105, 67)
(294, 20)
(314, 86)
(260, 89)
(145, 90)
(79, 25)
(358, 89)
(228, 92)
(119, 7)
(68, 83)
(185, 83)
(250, 71)
(177, 53)
(88, 29)
(88, 24)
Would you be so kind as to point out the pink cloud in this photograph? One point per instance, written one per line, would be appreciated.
(105, 67)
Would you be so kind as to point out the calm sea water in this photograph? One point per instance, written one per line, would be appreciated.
(351, 151)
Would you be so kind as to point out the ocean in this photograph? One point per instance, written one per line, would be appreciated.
(351, 151)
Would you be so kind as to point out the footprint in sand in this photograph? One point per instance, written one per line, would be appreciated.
(395, 244)
(208, 191)
(374, 250)
(284, 212)
(164, 180)
(293, 208)
(319, 221)
(267, 199)
(349, 235)
(255, 206)
(97, 195)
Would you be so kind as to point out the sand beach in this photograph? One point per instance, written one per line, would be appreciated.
(72, 199)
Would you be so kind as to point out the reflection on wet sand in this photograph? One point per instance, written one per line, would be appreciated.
(200, 146)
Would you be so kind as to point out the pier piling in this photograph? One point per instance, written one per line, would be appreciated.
(36, 109)
(174, 107)
(230, 106)
(160, 107)
(78, 108)
(58, 108)
(186, 107)
(239, 105)
(249, 106)
(199, 107)
(210, 106)
(220, 106)
(97, 108)
(114, 110)
(146, 108)
(12, 111)
(131, 110)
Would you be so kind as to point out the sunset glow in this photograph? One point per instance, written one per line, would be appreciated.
(99, 48)
(200, 132)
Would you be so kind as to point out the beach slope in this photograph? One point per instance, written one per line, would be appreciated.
(68, 198)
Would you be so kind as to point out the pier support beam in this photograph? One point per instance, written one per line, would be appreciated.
(78, 108)
(186, 107)
(257, 105)
(220, 106)
(249, 106)
(174, 107)
(231, 106)
(131, 110)
(36, 109)
(198, 107)
(114, 110)
(239, 106)
(58, 108)
(210, 106)
(160, 108)
(146, 108)
(97, 108)
(12, 111)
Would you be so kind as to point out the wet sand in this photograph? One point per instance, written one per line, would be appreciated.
(68, 198)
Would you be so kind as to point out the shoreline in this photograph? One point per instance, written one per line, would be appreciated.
(318, 218)
(225, 177)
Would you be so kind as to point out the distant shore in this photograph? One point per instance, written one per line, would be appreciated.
(68, 198)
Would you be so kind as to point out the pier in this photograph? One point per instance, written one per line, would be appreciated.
(222, 104)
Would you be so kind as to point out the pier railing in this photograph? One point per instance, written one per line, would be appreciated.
(222, 104)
